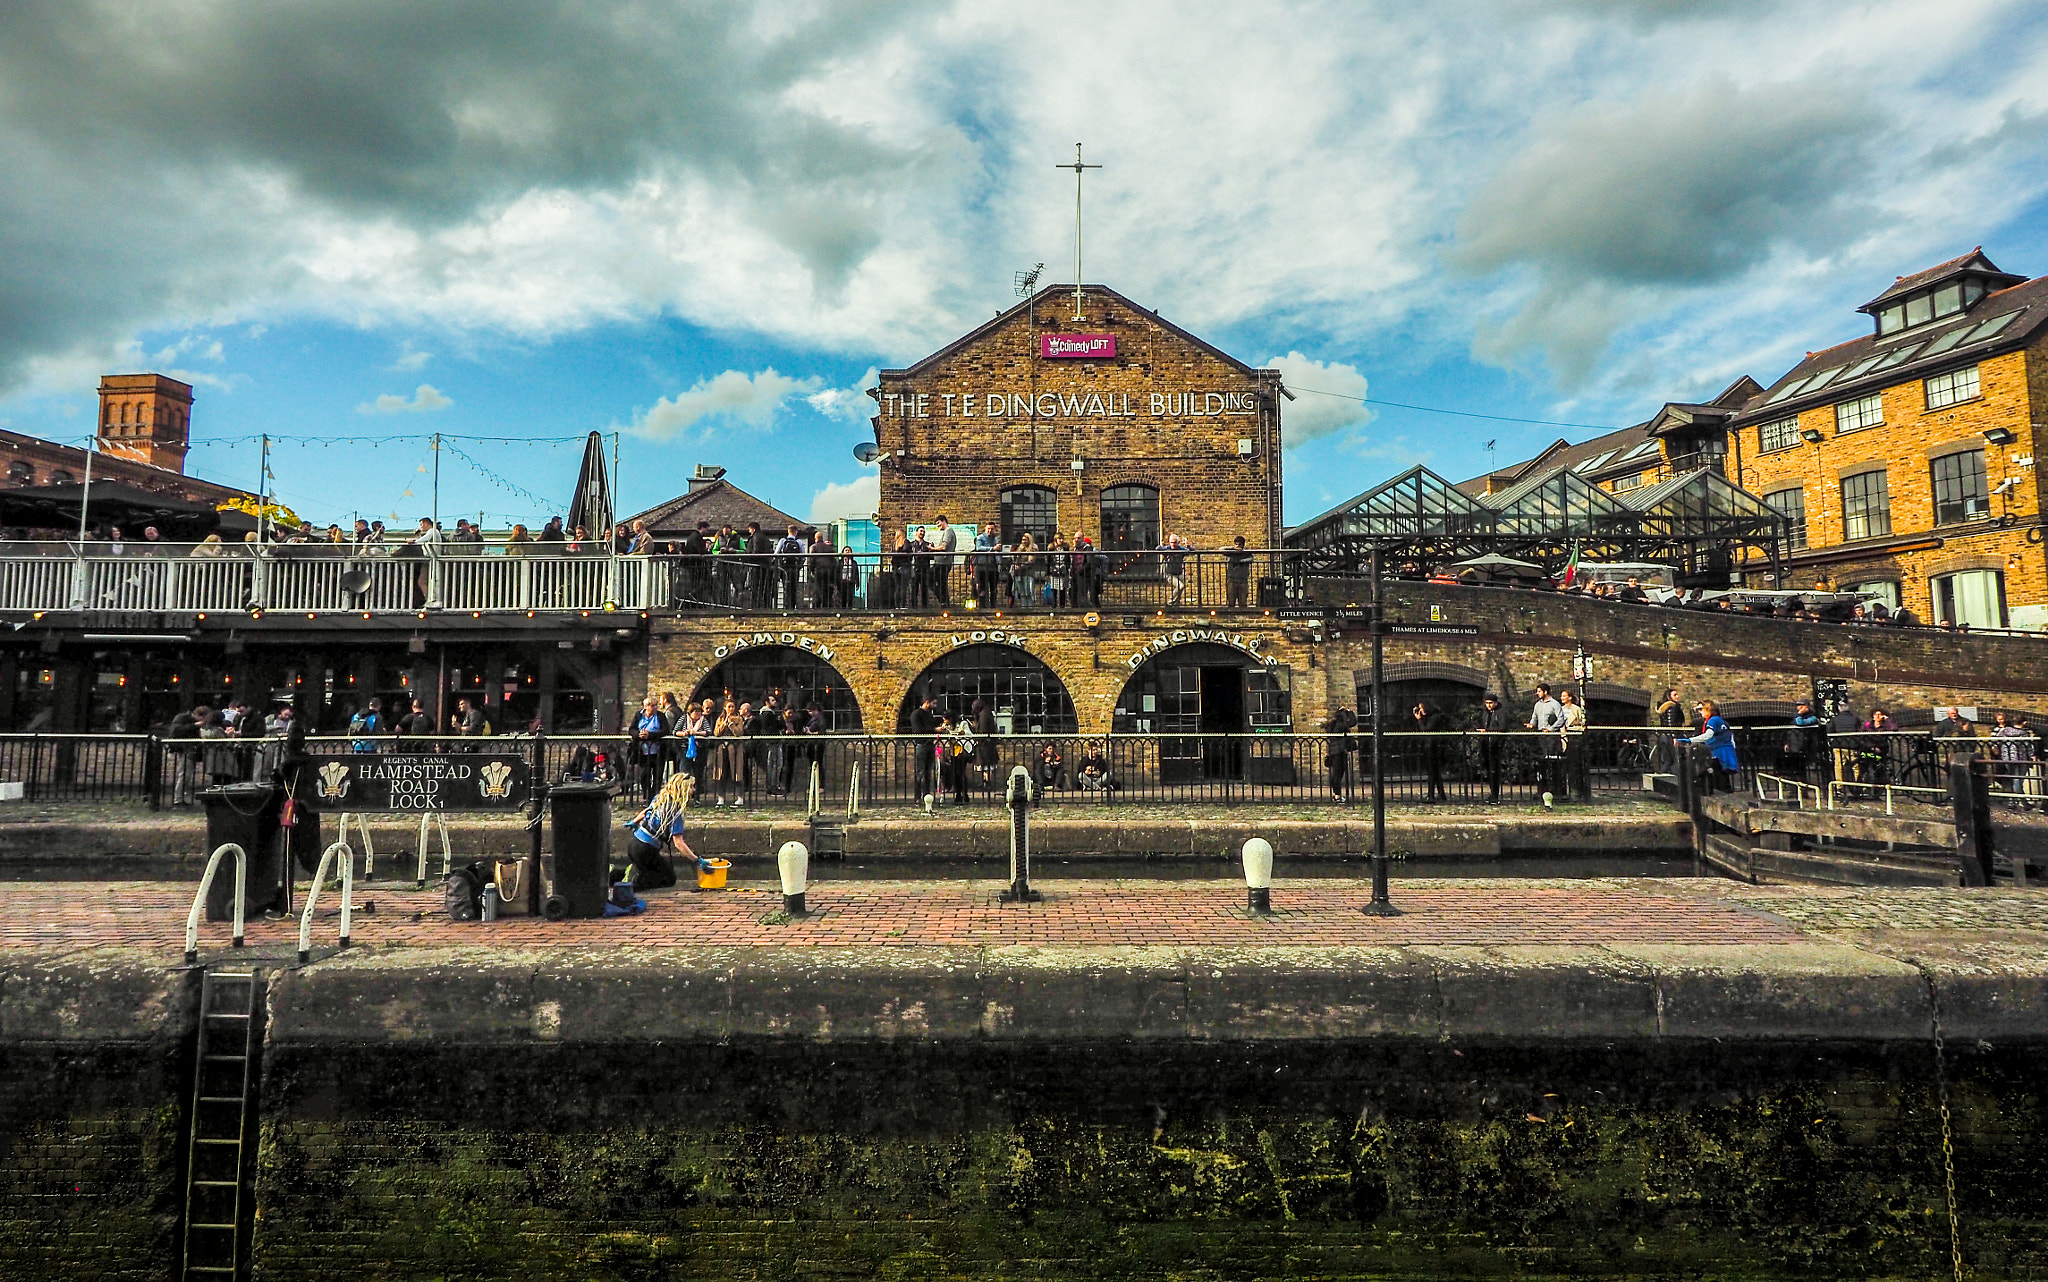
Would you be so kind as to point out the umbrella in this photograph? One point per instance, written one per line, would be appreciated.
(1493, 561)
(55, 507)
(591, 506)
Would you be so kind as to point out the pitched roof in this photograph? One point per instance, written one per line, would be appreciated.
(1001, 319)
(1621, 452)
(2001, 321)
(1973, 263)
(718, 502)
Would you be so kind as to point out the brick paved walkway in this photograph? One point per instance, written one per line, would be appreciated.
(63, 917)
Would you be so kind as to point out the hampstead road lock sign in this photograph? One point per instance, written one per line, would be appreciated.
(423, 781)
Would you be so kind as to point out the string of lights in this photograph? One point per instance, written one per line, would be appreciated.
(517, 491)
(1433, 409)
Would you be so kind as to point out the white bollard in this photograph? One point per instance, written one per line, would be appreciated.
(1258, 874)
(794, 862)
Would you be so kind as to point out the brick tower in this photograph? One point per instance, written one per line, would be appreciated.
(146, 418)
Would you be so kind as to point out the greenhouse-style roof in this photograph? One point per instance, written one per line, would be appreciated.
(1419, 516)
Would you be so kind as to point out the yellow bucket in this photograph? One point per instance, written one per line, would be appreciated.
(711, 873)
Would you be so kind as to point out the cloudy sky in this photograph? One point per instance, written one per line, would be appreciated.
(703, 225)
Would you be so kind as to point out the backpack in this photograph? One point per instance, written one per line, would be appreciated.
(463, 893)
(364, 723)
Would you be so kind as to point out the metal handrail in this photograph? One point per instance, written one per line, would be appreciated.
(199, 900)
(348, 887)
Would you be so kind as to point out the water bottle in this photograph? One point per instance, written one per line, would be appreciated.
(491, 902)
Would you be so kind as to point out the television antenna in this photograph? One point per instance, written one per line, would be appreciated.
(1078, 168)
(1028, 281)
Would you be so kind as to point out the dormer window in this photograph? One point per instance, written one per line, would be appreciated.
(1930, 305)
(1938, 293)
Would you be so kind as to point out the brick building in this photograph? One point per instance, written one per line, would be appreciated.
(1119, 425)
(142, 434)
(1905, 457)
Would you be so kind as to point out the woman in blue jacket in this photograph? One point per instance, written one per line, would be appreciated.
(1720, 741)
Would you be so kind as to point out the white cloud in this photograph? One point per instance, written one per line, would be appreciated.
(1328, 398)
(858, 176)
(749, 400)
(425, 399)
(854, 500)
(411, 359)
(848, 402)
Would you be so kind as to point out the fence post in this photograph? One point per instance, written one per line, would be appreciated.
(33, 789)
(153, 772)
(536, 808)
(1969, 791)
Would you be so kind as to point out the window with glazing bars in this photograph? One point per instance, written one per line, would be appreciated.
(1960, 491)
(1030, 508)
(1864, 411)
(1866, 505)
(1948, 389)
(1781, 435)
(1790, 504)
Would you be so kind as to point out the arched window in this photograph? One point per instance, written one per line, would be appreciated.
(58, 476)
(20, 473)
(1032, 509)
(1130, 517)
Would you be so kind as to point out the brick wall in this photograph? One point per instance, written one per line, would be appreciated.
(1523, 637)
(1917, 549)
(960, 450)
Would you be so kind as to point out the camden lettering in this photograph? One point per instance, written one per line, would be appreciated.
(799, 640)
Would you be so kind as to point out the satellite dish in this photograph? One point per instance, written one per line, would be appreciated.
(866, 451)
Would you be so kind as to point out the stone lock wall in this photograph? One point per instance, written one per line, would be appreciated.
(1166, 411)
(1754, 667)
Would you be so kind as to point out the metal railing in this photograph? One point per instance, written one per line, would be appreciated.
(900, 770)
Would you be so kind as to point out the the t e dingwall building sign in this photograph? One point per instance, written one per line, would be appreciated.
(998, 404)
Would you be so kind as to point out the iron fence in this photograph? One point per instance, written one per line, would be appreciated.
(773, 771)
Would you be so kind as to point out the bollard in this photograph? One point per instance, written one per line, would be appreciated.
(1258, 874)
(794, 861)
(1017, 795)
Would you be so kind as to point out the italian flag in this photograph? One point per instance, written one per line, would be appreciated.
(1571, 567)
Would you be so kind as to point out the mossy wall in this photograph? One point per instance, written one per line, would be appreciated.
(91, 1150)
(1147, 1161)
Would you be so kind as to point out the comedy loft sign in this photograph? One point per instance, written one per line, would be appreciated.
(999, 404)
(1188, 636)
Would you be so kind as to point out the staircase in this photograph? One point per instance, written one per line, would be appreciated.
(225, 1075)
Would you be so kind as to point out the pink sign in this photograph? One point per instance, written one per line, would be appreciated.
(1077, 346)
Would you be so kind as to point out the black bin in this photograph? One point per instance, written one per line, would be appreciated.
(583, 848)
(1272, 592)
(246, 814)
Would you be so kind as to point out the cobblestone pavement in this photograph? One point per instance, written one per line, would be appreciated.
(66, 917)
(1830, 908)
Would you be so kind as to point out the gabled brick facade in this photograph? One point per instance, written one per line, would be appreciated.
(1167, 411)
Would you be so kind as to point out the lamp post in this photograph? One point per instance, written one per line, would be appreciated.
(1582, 671)
(1381, 905)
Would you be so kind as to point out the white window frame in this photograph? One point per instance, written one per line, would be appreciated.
(1952, 388)
(1860, 414)
(1941, 585)
(1787, 431)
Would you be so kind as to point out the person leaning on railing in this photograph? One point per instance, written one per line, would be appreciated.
(1723, 765)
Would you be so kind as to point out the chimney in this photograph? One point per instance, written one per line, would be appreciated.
(706, 474)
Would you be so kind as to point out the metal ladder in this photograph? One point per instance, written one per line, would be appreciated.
(224, 1077)
(828, 838)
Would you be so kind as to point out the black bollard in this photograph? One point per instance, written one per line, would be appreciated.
(1017, 796)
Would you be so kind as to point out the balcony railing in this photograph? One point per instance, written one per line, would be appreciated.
(184, 578)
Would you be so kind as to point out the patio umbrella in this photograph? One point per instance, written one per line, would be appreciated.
(1495, 563)
(55, 507)
(591, 505)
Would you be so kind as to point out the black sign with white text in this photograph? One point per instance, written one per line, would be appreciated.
(369, 781)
